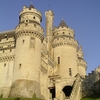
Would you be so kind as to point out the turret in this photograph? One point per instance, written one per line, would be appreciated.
(65, 47)
(82, 66)
(29, 36)
(49, 25)
(49, 22)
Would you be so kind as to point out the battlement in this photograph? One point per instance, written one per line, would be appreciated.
(30, 10)
(30, 14)
(63, 31)
(29, 33)
(29, 26)
(64, 40)
(49, 13)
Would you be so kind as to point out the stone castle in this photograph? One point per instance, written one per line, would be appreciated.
(51, 66)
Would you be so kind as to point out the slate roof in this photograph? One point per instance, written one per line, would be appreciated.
(31, 6)
(62, 24)
(7, 34)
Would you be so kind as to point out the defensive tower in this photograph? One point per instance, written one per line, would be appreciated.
(65, 47)
(29, 35)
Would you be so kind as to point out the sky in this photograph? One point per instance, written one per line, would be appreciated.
(83, 16)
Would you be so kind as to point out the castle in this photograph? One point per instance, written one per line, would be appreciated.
(51, 66)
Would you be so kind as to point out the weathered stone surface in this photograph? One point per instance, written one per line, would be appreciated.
(25, 88)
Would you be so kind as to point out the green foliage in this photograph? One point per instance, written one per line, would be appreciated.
(17, 98)
(93, 97)
(21, 98)
(1, 96)
(34, 96)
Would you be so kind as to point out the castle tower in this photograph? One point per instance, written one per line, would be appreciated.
(67, 80)
(29, 35)
(65, 50)
(49, 25)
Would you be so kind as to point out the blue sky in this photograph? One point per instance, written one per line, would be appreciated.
(81, 15)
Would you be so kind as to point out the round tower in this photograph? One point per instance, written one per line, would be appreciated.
(29, 35)
(82, 66)
(65, 50)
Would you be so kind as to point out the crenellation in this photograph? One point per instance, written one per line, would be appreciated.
(7, 58)
(29, 33)
(65, 42)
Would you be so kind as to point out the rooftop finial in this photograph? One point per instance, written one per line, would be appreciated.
(49, 4)
(31, 1)
(31, 5)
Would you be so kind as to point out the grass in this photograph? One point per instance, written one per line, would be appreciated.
(20, 99)
(34, 98)
(93, 97)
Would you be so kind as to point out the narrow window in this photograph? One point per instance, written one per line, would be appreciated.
(20, 66)
(3, 51)
(33, 17)
(26, 24)
(10, 50)
(23, 41)
(4, 64)
(58, 60)
(70, 72)
(5, 36)
(34, 25)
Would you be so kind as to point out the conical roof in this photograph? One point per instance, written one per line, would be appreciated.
(62, 24)
(31, 6)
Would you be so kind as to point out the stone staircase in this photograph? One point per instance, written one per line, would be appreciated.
(76, 87)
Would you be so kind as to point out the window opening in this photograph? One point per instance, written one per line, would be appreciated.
(70, 72)
(20, 65)
(26, 24)
(58, 60)
(34, 25)
(23, 41)
(4, 64)
(33, 17)
(5, 36)
(10, 50)
(63, 32)
(3, 51)
(26, 20)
